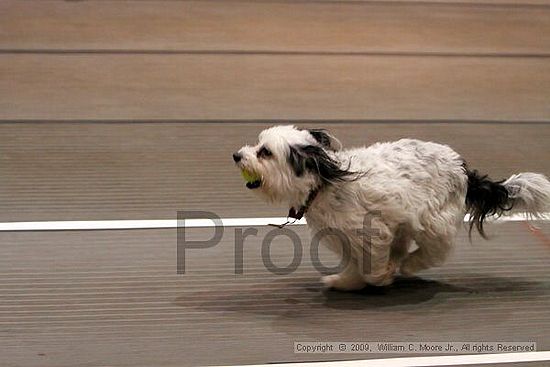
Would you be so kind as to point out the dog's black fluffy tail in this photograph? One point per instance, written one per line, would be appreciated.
(524, 192)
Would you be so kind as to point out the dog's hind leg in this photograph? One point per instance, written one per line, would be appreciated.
(432, 251)
(435, 241)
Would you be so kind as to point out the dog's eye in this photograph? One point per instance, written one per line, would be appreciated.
(264, 153)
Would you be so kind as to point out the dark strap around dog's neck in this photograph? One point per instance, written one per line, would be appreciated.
(292, 213)
(297, 215)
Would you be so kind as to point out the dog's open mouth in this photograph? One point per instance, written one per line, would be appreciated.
(253, 180)
(254, 184)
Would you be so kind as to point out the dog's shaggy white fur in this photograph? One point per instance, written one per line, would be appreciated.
(397, 192)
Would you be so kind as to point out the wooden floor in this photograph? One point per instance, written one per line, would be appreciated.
(113, 298)
(131, 110)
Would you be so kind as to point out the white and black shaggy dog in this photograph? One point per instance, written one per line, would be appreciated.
(410, 190)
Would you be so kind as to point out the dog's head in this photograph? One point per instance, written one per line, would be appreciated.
(289, 162)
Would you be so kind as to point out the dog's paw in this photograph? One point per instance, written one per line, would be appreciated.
(410, 267)
(337, 281)
(383, 279)
(406, 272)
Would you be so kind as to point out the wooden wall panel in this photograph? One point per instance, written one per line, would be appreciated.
(83, 171)
(134, 87)
(277, 26)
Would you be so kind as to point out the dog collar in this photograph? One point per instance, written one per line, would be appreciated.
(292, 213)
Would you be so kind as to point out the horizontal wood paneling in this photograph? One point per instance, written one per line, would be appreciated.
(149, 171)
(302, 26)
(266, 87)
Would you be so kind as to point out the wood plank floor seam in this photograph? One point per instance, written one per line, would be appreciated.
(69, 52)
(381, 2)
(275, 121)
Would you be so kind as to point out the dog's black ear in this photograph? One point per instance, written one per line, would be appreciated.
(297, 161)
(326, 140)
(314, 159)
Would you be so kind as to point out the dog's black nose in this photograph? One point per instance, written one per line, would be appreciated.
(237, 157)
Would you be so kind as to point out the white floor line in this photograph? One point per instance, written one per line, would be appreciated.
(457, 360)
(171, 223)
(138, 224)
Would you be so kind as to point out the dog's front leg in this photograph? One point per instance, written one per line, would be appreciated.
(349, 279)
(374, 263)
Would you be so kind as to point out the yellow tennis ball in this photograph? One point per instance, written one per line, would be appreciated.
(250, 176)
